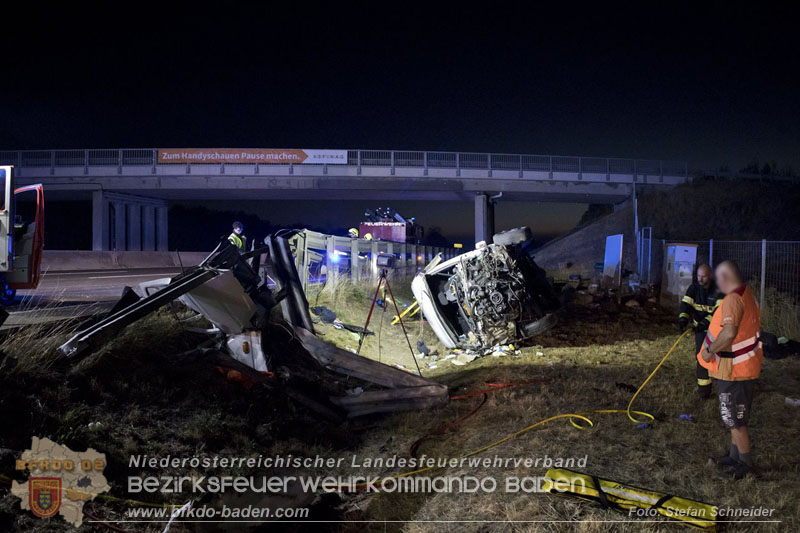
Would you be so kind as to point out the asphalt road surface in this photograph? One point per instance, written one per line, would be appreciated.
(88, 285)
(72, 294)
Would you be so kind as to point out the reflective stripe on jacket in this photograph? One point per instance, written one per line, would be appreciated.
(237, 241)
(743, 360)
(699, 303)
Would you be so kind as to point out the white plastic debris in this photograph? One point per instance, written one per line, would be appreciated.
(464, 358)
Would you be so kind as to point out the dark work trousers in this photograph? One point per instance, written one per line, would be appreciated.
(703, 381)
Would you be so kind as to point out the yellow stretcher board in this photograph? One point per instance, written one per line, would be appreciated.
(414, 306)
(614, 495)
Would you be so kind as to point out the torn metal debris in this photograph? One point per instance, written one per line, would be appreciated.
(235, 293)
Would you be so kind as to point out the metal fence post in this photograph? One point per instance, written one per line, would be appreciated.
(306, 263)
(390, 248)
(373, 260)
(330, 266)
(763, 272)
(711, 253)
(355, 266)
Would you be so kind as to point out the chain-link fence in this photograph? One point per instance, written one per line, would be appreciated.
(771, 268)
(747, 254)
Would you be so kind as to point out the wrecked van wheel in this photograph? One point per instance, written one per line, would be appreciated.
(540, 326)
(513, 236)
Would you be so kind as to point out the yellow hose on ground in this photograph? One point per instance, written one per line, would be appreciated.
(628, 411)
(573, 417)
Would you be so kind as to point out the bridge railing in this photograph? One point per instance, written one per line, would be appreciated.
(370, 158)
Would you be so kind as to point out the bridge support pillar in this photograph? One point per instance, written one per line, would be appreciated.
(484, 218)
(134, 226)
(162, 229)
(148, 227)
(100, 226)
(125, 222)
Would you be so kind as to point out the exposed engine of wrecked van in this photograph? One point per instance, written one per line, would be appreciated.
(491, 296)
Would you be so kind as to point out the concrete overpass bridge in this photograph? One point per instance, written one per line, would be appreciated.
(130, 188)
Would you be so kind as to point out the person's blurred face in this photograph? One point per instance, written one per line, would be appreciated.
(726, 280)
(704, 276)
(238, 230)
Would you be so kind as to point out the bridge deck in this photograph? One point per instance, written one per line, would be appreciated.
(366, 174)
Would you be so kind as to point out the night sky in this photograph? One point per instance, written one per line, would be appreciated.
(713, 84)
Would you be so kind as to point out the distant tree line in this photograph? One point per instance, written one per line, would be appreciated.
(755, 167)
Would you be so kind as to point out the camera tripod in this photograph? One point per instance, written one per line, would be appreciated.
(385, 279)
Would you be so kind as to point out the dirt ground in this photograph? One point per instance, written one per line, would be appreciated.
(139, 396)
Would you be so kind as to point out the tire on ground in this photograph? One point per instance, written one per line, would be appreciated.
(513, 236)
(540, 326)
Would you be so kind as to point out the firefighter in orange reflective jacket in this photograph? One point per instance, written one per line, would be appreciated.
(732, 354)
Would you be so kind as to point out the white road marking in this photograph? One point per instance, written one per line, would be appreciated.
(154, 276)
(82, 273)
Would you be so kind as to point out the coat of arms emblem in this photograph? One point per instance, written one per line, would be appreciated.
(44, 495)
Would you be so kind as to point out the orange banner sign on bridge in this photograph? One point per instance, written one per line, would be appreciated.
(274, 156)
